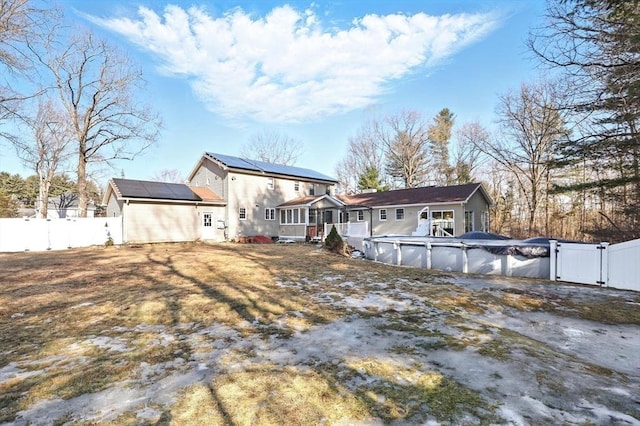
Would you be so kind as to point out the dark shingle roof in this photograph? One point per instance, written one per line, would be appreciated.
(130, 188)
(423, 195)
(269, 168)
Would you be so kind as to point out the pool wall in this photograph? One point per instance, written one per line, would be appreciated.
(512, 258)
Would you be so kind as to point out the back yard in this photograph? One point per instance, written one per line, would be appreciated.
(264, 334)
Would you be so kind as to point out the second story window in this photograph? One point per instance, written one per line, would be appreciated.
(270, 183)
(360, 215)
(312, 189)
(383, 214)
(243, 213)
(399, 214)
(296, 186)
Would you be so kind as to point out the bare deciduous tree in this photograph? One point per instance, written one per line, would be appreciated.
(168, 175)
(19, 21)
(364, 152)
(46, 149)
(467, 157)
(406, 143)
(530, 127)
(274, 147)
(96, 85)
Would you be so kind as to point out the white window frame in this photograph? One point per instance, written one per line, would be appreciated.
(443, 220)
(293, 216)
(485, 221)
(207, 220)
(296, 186)
(242, 213)
(269, 213)
(381, 213)
(360, 216)
(271, 183)
(469, 225)
(400, 211)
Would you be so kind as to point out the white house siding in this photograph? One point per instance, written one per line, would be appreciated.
(392, 226)
(211, 176)
(478, 205)
(158, 222)
(294, 232)
(410, 223)
(217, 231)
(251, 191)
(114, 207)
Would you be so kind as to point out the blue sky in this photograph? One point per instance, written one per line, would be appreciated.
(219, 72)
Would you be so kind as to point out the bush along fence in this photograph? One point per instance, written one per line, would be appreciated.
(58, 234)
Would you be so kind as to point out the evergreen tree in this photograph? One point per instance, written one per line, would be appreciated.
(595, 45)
(370, 179)
(8, 206)
(439, 134)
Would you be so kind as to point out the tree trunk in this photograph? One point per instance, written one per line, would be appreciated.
(82, 185)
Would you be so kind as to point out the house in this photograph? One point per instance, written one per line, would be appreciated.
(65, 206)
(256, 194)
(431, 210)
(228, 198)
(160, 211)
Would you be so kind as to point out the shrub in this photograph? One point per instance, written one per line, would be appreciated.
(335, 243)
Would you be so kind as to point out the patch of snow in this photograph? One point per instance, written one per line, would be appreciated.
(12, 371)
(113, 344)
(380, 302)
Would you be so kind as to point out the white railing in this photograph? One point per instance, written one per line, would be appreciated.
(57, 234)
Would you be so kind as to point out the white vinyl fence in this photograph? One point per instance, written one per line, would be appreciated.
(348, 229)
(57, 234)
(616, 265)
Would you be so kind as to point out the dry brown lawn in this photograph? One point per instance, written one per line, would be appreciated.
(196, 334)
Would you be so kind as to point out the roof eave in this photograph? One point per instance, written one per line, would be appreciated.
(166, 200)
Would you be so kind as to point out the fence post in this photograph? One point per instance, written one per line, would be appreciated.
(604, 264)
(428, 248)
(375, 251)
(398, 247)
(553, 260)
(465, 260)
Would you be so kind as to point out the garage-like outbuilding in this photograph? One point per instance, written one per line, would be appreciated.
(162, 211)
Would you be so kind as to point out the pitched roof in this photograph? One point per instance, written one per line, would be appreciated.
(422, 195)
(268, 168)
(206, 194)
(308, 200)
(147, 190)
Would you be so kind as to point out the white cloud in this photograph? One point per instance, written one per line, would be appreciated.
(284, 67)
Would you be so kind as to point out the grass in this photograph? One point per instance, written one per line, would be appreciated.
(83, 322)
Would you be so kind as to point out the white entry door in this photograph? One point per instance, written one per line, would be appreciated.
(208, 230)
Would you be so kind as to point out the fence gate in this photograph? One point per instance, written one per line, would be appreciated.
(581, 263)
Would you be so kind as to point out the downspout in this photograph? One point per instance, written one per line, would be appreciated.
(125, 228)
(371, 221)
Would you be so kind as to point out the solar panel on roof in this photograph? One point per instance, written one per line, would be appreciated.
(261, 166)
(156, 190)
(234, 162)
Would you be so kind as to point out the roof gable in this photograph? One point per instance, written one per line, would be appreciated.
(422, 195)
(268, 168)
(310, 200)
